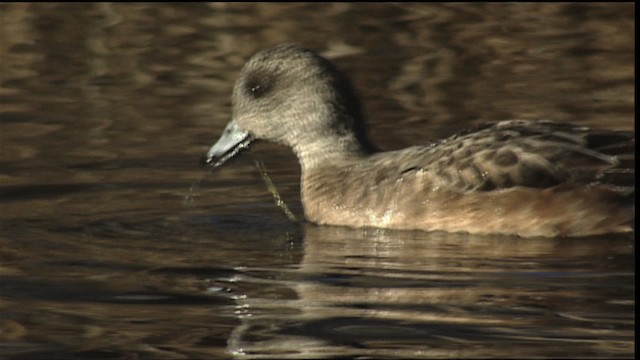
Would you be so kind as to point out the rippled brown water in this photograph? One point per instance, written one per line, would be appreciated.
(115, 244)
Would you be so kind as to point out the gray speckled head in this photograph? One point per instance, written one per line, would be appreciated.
(291, 95)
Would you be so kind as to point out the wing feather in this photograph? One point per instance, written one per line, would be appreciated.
(530, 153)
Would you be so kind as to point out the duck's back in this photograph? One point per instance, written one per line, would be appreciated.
(512, 177)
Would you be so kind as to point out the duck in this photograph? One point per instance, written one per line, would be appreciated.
(528, 178)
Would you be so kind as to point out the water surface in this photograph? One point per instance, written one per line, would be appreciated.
(115, 244)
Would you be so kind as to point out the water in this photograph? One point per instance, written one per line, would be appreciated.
(115, 244)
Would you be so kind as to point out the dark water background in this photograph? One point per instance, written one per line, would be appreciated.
(114, 244)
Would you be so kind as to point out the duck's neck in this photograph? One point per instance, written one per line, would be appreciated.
(323, 151)
(330, 133)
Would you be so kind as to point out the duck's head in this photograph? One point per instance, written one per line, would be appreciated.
(291, 95)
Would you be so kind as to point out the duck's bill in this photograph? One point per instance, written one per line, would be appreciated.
(233, 140)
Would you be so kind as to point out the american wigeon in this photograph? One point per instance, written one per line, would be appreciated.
(528, 178)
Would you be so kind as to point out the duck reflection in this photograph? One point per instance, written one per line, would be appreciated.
(413, 294)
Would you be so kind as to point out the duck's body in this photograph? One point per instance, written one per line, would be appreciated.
(528, 178)
(512, 177)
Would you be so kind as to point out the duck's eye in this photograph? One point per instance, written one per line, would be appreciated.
(255, 89)
(256, 85)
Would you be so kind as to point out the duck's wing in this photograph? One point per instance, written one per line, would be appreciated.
(532, 154)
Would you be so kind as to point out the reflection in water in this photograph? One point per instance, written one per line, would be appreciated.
(384, 293)
(328, 292)
(106, 109)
